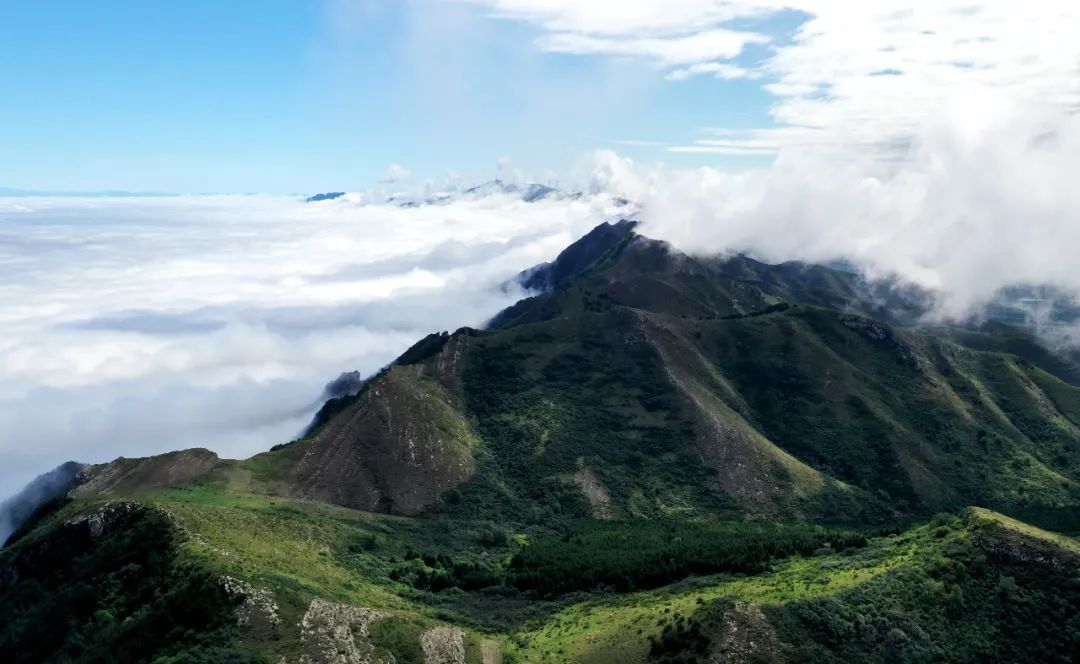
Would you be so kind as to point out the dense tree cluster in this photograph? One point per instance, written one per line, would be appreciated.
(120, 597)
(645, 554)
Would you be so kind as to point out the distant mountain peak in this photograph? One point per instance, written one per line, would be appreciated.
(328, 196)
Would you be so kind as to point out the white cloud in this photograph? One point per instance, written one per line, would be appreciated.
(668, 34)
(934, 139)
(853, 78)
(721, 70)
(137, 326)
(625, 17)
(971, 210)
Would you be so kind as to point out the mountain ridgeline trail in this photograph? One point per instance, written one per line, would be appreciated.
(655, 457)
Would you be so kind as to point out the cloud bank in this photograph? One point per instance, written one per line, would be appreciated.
(137, 326)
(966, 213)
(929, 139)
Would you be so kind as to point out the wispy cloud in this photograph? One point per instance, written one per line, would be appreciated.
(639, 143)
(395, 173)
(721, 70)
(664, 51)
(853, 79)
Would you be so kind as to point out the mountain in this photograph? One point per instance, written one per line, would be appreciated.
(656, 457)
(328, 196)
(529, 193)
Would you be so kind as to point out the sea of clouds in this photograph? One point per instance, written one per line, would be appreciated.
(133, 326)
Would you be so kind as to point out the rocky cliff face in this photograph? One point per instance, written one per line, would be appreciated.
(402, 444)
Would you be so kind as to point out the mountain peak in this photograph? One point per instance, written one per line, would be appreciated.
(577, 258)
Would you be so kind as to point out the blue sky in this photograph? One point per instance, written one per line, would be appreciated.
(288, 96)
(285, 96)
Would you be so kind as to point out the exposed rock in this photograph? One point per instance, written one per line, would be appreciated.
(595, 492)
(875, 331)
(746, 636)
(443, 645)
(1012, 546)
(866, 327)
(338, 634)
(101, 521)
(257, 607)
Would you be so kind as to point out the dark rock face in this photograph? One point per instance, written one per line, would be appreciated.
(1014, 547)
(866, 327)
(106, 518)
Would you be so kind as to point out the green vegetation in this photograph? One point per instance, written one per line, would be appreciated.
(957, 604)
(123, 596)
(628, 556)
(400, 638)
(545, 410)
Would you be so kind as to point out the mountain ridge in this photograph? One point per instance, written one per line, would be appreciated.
(418, 431)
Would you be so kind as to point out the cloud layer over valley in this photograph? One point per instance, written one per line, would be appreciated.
(133, 326)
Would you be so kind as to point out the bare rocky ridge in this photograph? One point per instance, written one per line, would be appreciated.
(399, 447)
(130, 477)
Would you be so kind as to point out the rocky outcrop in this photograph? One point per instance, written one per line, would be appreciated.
(595, 492)
(443, 645)
(746, 636)
(879, 332)
(338, 634)
(257, 607)
(104, 519)
(992, 534)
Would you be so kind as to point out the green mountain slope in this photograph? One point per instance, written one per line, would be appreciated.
(660, 458)
(649, 384)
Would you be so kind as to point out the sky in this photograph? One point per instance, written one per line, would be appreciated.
(930, 141)
(277, 96)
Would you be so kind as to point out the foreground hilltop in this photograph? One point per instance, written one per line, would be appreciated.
(658, 457)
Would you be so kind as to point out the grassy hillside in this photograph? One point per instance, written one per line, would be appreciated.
(253, 571)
